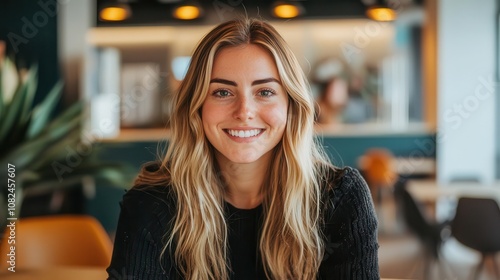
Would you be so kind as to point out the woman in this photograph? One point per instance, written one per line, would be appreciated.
(243, 191)
(332, 102)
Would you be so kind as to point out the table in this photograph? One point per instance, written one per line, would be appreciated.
(59, 273)
(429, 192)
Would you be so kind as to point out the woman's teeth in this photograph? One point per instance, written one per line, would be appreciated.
(244, 133)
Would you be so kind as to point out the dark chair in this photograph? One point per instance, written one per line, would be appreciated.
(477, 226)
(431, 234)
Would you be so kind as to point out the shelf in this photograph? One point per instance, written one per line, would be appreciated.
(360, 130)
(139, 135)
(372, 129)
(141, 36)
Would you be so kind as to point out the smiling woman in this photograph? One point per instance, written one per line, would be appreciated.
(244, 113)
(244, 192)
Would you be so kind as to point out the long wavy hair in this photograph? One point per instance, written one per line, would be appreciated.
(291, 242)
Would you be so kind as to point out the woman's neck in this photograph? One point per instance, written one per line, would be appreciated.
(244, 181)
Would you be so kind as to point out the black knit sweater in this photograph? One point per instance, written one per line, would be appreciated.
(350, 231)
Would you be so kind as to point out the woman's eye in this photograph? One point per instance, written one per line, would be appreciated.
(222, 93)
(266, 93)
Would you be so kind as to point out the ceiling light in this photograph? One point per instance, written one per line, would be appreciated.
(287, 9)
(380, 13)
(189, 11)
(379, 10)
(115, 12)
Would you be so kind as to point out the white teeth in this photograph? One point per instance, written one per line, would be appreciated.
(244, 133)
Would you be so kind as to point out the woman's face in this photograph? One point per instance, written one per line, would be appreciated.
(245, 111)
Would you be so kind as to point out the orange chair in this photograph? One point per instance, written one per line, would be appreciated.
(62, 240)
(378, 170)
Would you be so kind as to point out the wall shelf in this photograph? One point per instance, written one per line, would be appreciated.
(139, 135)
(342, 131)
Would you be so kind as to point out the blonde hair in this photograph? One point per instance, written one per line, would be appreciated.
(291, 242)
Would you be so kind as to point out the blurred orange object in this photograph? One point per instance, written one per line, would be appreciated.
(378, 169)
(62, 240)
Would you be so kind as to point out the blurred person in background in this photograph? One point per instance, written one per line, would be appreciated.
(359, 107)
(332, 101)
(243, 191)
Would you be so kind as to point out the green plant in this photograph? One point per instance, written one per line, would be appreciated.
(40, 153)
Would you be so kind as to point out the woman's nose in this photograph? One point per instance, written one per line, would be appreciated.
(245, 108)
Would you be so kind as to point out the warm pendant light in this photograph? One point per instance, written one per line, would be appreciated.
(188, 11)
(379, 11)
(115, 12)
(287, 9)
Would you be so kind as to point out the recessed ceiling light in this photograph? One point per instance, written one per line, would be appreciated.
(188, 11)
(115, 12)
(287, 9)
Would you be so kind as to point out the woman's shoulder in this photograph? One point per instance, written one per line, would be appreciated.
(153, 179)
(350, 226)
(342, 178)
(346, 185)
(148, 207)
(149, 196)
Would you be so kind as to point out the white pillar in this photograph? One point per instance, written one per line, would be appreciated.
(466, 145)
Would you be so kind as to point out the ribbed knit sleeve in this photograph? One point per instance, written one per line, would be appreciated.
(350, 230)
(138, 241)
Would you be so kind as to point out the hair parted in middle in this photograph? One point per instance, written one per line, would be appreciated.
(291, 241)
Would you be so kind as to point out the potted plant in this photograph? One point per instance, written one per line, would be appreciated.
(40, 153)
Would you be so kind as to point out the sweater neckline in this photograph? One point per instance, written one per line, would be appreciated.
(233, 209)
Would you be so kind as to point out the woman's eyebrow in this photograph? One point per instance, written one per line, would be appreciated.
(233, 83)
(223, 81)
(263, 81)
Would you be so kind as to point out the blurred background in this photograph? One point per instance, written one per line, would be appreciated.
(406, 92)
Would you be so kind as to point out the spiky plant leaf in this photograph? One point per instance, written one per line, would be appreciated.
(18, 111)
(75, 111)
(8, 72)
(2, 104)
(43, 111)
(58, 150)
(11, 116)
(25, 154)
(31, 85)
(62, 174)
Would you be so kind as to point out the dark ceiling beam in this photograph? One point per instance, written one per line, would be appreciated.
(150, 12)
